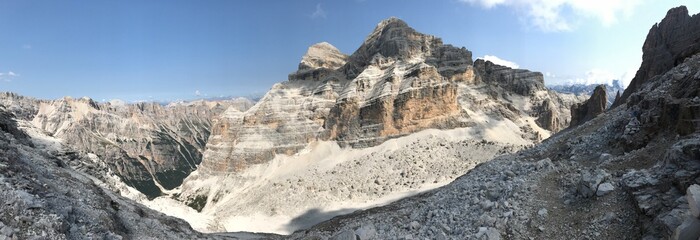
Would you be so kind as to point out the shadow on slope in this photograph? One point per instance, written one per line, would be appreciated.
(315, 216)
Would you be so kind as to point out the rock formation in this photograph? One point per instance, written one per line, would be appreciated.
(518, 81)
(668, 44)
(594, 106)
(399, 81)
(151, 147)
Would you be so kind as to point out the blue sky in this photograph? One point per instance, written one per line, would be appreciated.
(168, 50)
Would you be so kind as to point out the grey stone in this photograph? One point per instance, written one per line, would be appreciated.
(604, 157)
(7, 231)
(693, 197)
(493, 234)
(488, 233)
(544, 164)
(366, 232)
(345, 235)
(542, 212)
(604, 189)
(414, 225)
(589, 182)
(688, 230)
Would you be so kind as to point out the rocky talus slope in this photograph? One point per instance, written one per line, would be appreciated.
(629, 173)
(151, 147)
(398, 82)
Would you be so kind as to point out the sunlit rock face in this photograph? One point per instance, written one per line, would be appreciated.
(399, 81)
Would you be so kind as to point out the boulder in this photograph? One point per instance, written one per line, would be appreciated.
(688, 230)
(604, 189)
(345, 235)
(590, 181)
(366, 232)
(693, 197)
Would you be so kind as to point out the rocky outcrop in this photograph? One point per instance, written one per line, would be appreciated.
(668, 44)
(320, 63)
(519, 81)
(548, 116)
(398, 82)
(591, 108)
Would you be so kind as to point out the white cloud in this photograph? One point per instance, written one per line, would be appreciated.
(600, 76)
(197, 93)
(549, 15)
(8, 76)
(319, 13)
(500, 61)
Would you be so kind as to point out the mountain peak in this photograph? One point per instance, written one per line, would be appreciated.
(677, 11)
(322, 55)
(392, 39)
(390, 22)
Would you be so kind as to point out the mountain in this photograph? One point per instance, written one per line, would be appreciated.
(149, 146)
(399, 81)
(587, 89)
(402, 114)
(632, 172)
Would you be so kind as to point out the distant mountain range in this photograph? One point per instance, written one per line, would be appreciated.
(587, 89)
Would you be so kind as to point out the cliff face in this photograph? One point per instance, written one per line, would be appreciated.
(289, 116)
(399, 81)
(151, 147)
(594, 106)
(668, 44)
